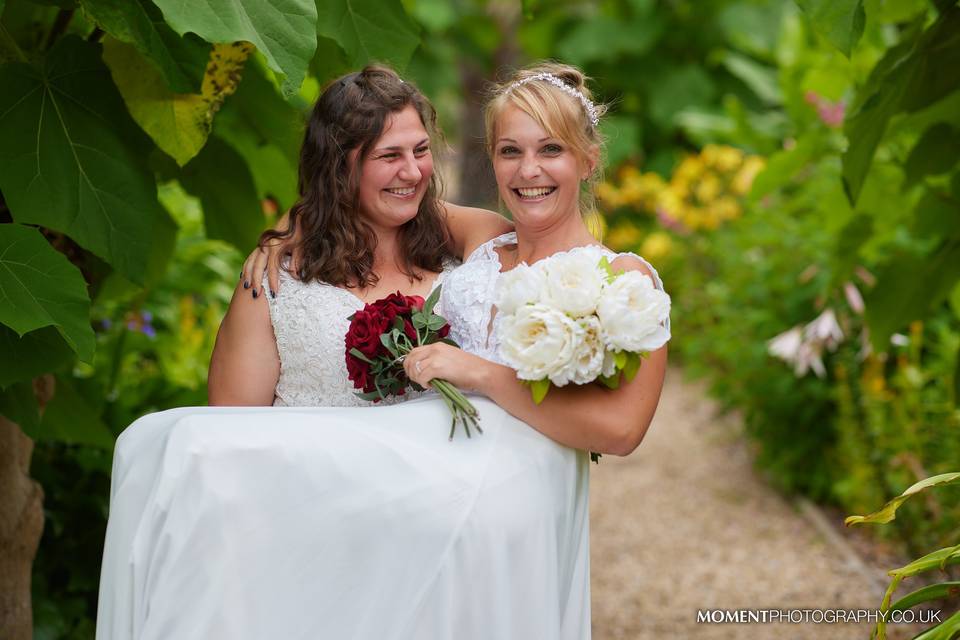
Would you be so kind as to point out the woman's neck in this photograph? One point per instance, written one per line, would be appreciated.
(537, 243)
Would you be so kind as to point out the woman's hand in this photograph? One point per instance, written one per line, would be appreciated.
(266, 258)
(440, 360)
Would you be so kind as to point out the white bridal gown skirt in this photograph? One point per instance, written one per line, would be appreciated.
(368, 523)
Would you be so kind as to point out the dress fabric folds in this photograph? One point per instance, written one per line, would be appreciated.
(344, 522)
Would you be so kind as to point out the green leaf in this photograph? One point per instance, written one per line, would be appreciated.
(946, 630)
(760, 78)
(684, 88)
(907, 287)
(539, 389)
(910, 76)
(267, 131)
(611, 382)
(283, 31)
(369, 30)
(219, 177)
(387, 340)
(925, 594)
(840, 22)
(39, 288)
(71, 419)
(889, 511)
(72, 159)
(178, 122)
(605, 38)
(623, 137)
(181, 61)
(370, 396)
(432, 300)
(359, 355)
(620, 359)
(24, 358)
(632, 365)
(936, 152)
(436, 323)
(420, 321)
(939, 560)
(19, 405)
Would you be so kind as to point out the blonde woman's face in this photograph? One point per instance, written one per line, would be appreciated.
(396, 173)
(538, 176)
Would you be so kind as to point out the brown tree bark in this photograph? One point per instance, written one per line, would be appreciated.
(21, 523)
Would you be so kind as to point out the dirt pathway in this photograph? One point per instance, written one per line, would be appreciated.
(684, 523)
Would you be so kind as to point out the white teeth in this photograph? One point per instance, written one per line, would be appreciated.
(536, 192)
(402, 192)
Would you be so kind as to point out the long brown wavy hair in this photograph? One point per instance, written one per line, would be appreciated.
(335, 244)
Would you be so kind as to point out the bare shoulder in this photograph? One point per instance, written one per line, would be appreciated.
(632, 263)
(471, 226)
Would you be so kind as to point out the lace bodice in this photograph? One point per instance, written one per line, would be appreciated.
(310, 322)
(469, 293)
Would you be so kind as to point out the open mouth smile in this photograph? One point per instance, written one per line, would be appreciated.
(402, 192)
(533, 194)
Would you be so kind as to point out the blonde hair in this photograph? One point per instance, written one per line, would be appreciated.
(558, 112)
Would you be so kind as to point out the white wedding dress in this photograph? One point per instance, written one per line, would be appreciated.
(332, 518)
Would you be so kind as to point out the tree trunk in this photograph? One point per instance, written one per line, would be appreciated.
(21, 524)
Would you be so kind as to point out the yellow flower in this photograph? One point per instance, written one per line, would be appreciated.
(743, 180)
(656, 245)
(722, 157)
(609, 196)
(725, 208)
(691, 167)
(708, 188)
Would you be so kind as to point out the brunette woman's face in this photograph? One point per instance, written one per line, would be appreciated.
(538, 176)
(396, 173)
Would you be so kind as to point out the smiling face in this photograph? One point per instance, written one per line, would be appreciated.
(395, 174)
(538, 175)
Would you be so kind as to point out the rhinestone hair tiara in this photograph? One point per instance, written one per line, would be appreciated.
(563, 86)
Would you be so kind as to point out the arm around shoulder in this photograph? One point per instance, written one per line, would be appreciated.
(245, 364)
(470, 227)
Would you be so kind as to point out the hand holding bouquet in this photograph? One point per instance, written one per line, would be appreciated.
(570, 318)
(382, 334)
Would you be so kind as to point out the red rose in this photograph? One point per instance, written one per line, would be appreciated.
(444, 330)
(358, 372)
(396, 304)
(365, 330)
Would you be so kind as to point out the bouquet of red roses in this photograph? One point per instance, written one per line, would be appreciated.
(382, 334)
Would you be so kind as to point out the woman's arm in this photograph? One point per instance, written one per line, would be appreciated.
(470, 227)
(588, 417)
(245, 365)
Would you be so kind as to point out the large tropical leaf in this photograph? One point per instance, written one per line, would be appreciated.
(907, 287)
(26, 357)
(266, 130)
(369, 30)
(284, 31)
(231, 209)
(70, 418)
(181, 61)
(39, 287)
(178, 122)
(841, 22)
(73, 160)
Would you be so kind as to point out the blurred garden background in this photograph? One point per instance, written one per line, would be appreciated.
(792, 169)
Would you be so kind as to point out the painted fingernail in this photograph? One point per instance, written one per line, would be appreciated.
(273, 294)
(254, 293)
(246, 284)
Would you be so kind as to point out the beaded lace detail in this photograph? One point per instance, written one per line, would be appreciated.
(310, 322)
(470, 291)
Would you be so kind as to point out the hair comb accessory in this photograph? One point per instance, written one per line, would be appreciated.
(563, 86)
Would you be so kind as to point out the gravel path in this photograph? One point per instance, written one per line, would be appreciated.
(684, 523)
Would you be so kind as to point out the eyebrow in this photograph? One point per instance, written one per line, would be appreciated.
(515, 142)
(399, 148)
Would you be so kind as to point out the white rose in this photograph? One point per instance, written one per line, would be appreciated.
(631, 310)
(588, 358)
(537, 341)
(518, 287)
(574, 281)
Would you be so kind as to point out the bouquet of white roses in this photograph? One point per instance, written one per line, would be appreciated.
(570, 318)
